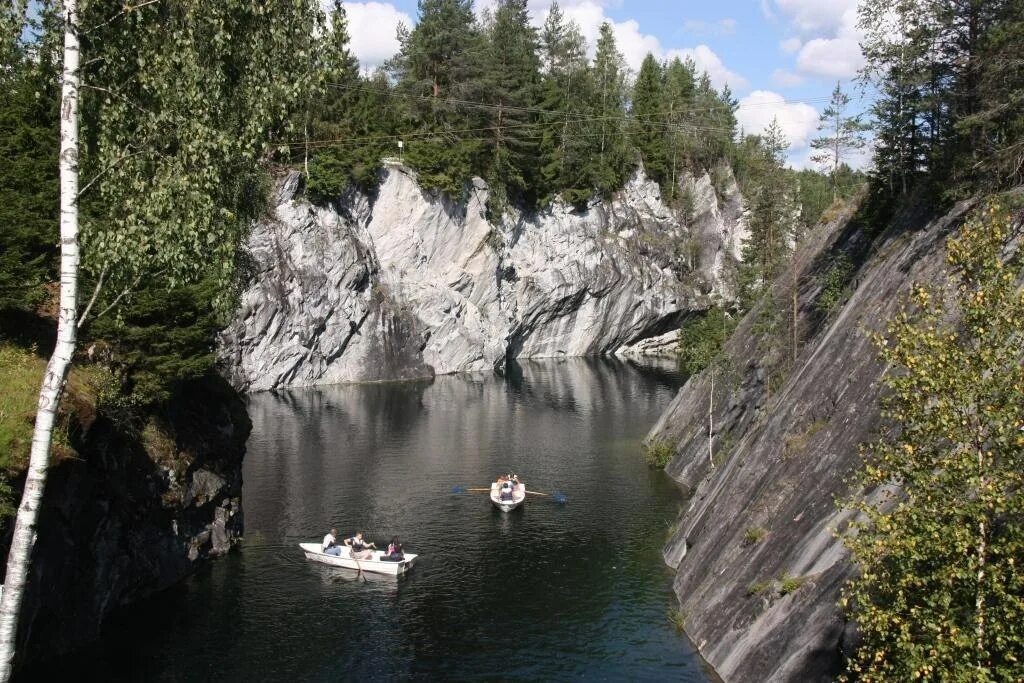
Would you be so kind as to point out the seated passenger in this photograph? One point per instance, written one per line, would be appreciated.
(330, 544)
(361, 549)
(394, 553)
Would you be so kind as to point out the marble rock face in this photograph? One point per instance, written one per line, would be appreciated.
(407, 283)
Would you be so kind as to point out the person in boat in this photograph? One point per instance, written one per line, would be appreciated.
(394, 553)
(506, 491)
(361, 548)
(330, 545)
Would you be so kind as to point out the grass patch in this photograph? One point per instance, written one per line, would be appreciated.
(790, 584)
(22, 372)
(658, 453)
(758, 587)
(754, 534)
(797, 443)
(677, 618)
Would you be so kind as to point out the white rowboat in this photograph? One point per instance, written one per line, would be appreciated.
(518, 496)
(374, 564)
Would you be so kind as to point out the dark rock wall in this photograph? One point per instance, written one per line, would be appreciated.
(132, 514)
(785, 438)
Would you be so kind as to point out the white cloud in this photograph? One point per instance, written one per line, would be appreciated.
(814, 17)
(798, 120)
(834, 58)
(787, 79)
(828, 41)
(837, 57)
(706, 60)
(371, 27)
(791, 45)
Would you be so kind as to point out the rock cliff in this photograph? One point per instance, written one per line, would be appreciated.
(135, 510)
(759, 564)
(406, 284)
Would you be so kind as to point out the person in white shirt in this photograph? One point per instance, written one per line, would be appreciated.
(330, 545)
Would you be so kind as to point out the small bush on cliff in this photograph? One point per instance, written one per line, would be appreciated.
(754, 534)
(938, 592)
(658, 453)
(701, 339)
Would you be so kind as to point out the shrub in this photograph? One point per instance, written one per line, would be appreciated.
(658, 453)
(790, 584)
(677, 618)
(754, 534)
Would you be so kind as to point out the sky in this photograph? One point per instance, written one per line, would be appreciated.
(781, 58)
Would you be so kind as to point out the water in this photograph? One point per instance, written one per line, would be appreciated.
(547, 592)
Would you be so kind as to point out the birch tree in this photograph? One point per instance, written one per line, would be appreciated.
(60, 361)
(180, 102)
(938, 592)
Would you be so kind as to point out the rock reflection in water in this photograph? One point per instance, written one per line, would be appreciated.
(545, 592)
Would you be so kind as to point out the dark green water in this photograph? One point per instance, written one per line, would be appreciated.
(548, 592)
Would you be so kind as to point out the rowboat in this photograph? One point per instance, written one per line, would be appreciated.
(372, 564)
(518, 496)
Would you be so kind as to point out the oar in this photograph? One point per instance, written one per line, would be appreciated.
(459, 488)
(557, 496)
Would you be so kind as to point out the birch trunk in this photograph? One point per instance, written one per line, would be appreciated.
(60, 362)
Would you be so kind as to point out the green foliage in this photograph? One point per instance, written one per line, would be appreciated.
(647, 131)
(790, 584)
(754, 535)
(834, 285)
(28, 183)
(843, 136)
(948, 112)
(161, 339)
(22, 371)
(183, 105)
(759, 587)
(677, 618)
(938, 592)
(701, 339)
(658, 453)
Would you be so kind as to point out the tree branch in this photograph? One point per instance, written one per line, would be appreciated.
(95, 294)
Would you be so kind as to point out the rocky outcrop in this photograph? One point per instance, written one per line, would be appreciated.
(134, 511)
(785, 438)
(407, 284)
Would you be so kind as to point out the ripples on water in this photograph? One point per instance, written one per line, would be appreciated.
(547, 592)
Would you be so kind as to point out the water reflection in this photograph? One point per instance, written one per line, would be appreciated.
(545, 592)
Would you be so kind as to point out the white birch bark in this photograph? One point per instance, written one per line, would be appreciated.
(57, 369)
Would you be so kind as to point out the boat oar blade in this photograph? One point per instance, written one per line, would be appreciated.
(458, 488)
(560, 497)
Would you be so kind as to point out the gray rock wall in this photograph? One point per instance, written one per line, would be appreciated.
(408, 284)
(134, 512)
(785, 438)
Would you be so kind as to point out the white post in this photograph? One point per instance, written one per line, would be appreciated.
(57, 369)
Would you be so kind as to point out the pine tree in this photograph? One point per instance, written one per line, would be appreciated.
(512, 77)
(680, 84)
(437, 71)
(648, 130)
(566, 92)
(610, 164)
(845, 135)
(772, 211)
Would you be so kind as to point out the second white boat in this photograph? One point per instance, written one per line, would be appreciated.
(374, 564)
(518, 496)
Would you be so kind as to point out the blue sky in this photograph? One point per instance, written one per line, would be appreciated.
(781, 58)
